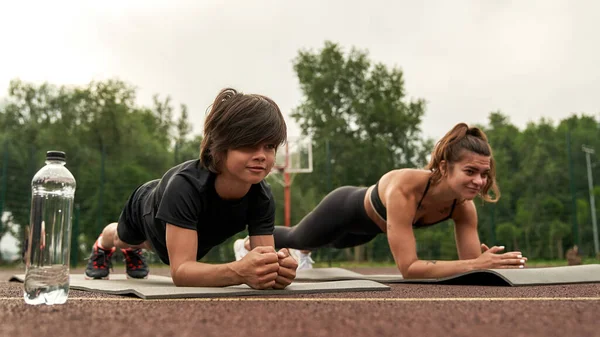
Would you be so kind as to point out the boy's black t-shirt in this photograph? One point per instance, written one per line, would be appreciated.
(186, 197)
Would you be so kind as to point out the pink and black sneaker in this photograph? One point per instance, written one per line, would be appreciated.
(99, 263)
(135, 263)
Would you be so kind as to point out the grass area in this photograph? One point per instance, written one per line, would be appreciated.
(556, 263)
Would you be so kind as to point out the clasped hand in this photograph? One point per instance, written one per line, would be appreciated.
(263, 268)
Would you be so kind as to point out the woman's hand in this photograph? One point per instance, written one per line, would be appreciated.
(491, 258)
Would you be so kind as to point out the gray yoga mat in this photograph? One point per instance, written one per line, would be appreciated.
(161, 287)
(488, 277)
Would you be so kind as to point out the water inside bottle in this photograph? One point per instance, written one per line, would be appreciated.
(47, 275)
(50, 230)
(47, 285)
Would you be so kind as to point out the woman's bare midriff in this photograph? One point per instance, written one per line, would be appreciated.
(371, 212)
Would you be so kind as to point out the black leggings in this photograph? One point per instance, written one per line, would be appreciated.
(339, 221)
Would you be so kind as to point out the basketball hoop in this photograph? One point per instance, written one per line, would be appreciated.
(296, 158)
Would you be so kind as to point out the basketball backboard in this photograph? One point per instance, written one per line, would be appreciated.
(295, 156)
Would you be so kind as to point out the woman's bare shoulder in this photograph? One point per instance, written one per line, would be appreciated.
(406, 181)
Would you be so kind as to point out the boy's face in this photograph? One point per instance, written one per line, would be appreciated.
(251, 164)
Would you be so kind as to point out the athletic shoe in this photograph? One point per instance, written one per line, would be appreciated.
(304, 260)
(99, 263)
(135, 263)
(239, 248)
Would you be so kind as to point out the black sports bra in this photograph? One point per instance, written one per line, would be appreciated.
(382, 212)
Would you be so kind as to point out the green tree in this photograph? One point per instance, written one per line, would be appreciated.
(112, 145)
(361, 108)
(183, 128)
(509, 233)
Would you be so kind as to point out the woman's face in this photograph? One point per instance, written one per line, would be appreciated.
(469, 175)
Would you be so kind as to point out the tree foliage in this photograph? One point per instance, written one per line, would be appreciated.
(360, 108)
(362, 124)
(112, 145)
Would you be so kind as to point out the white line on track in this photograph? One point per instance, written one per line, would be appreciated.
(330, 299)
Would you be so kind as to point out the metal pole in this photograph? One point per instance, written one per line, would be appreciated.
(175, 153)
(493, 225)
(576, 236)
(3, 183)
(589, 151)
(328, 168)
(286, 188)
(100, 219)
(75, 237)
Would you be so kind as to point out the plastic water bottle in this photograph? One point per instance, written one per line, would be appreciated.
(49, 242)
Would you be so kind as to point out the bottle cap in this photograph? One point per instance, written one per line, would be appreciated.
(56, 155)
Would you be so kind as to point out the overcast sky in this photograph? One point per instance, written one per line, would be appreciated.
(465, 58)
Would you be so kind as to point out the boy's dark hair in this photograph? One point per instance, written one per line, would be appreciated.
(237, 120)
(451, 148)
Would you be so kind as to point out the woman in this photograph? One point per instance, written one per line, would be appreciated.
(461, 168)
